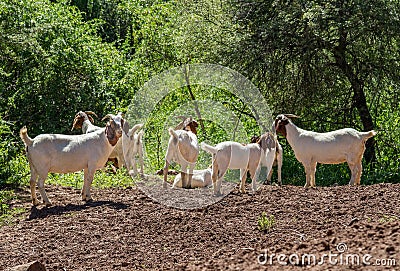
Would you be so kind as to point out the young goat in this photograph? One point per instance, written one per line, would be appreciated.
(233, 155)
(59, 153)
(183, 149)
(201, 178)
(310, 148)
(277, 161)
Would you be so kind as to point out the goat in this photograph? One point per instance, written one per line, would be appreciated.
(59, 153)
(233, 155)
(125, 150)
(132, 146)
(277, 161)
(84, 121)
(201, 178)
(310, 148)
(183, 149)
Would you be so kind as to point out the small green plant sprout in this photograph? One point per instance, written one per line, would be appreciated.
(265, 223)
(388, 219)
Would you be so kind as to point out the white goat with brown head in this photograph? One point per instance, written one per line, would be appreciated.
(182, 149)
(59, 153)
(127, 148)
(310, 148)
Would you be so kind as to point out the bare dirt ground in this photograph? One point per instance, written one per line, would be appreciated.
(328, 228)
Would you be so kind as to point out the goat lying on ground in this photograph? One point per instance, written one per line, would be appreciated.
(183, 149)
(233, 155)
(310, 148)
(201, 178)
(277, 161)
(59, 153)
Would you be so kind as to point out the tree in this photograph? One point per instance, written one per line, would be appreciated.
(312, 49)
(53, 64)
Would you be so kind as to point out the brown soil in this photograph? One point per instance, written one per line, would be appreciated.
(124, 229)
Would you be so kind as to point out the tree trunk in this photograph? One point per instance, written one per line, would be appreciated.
(359, 100)
(196, 107)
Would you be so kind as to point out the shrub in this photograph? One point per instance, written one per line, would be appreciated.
(265, 223)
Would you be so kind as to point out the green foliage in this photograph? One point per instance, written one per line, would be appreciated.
(13, 168)
(6, 213)
(388, 219)
(58, 57)
(265, 223)
(53, 65)
(102, 179)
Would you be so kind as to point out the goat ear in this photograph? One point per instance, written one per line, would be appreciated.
(125, 126)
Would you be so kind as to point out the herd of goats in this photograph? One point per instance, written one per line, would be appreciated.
(59, 153)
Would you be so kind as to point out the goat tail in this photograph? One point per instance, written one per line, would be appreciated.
(23, 133)
(208, 148)
(136, 127)
(369, 134)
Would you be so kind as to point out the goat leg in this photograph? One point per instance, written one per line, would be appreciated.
(166, 174)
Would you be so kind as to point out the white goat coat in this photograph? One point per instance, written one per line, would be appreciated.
(233, 155)
(182, 148)
(327, 148)
(344, 145)
(72, 151)
(201, 178)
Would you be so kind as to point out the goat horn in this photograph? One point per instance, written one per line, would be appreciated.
(179, 126)
(181, 117)
(108, 116)
(291, 116)
(91, 113)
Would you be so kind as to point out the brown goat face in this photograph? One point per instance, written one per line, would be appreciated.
(80, 117)
(114, 128)
(280, 124)
(191, 125)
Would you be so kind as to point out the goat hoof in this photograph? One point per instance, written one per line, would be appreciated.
(48, 204)
(87, 199)
(219, 194)
(35, 202)
(165, 185)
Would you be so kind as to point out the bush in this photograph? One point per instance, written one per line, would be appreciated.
(13, 166)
